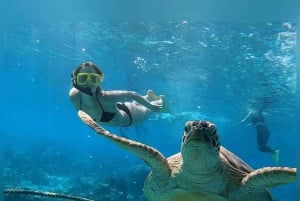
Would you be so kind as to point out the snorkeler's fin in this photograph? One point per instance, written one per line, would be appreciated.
(275, 156)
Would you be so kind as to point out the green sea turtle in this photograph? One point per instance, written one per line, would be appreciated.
(202, 171)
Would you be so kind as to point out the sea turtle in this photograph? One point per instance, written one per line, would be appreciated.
(202, 171)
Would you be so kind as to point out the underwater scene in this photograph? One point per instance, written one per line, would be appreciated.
(240, 76)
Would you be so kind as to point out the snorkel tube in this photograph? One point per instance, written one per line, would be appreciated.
(86, 90)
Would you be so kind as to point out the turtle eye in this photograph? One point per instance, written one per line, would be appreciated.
(183, 138)
(187, 127)
(214, 138)
(214, 134)
(214, 142)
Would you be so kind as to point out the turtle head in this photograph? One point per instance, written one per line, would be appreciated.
(200, 142)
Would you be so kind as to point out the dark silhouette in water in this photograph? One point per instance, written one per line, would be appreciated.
(262, 133)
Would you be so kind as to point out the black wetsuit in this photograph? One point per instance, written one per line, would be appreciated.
(262, 134)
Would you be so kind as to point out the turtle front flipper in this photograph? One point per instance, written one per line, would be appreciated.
(268, 177)
(152, 157)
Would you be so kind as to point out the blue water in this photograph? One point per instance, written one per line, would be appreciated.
(211, 71)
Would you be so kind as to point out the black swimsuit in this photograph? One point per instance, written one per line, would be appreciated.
(108, 116)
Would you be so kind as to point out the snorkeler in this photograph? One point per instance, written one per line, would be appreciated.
(262, 133)
(113, 108)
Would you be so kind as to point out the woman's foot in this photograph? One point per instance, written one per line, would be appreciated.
(151, 96)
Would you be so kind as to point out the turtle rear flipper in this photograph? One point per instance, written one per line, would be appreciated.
(268, 177)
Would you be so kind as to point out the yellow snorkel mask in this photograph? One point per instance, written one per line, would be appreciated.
(83, 78)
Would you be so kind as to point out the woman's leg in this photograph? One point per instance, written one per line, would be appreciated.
(138, 112)
(262, 138)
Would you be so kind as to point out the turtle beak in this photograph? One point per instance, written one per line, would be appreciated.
(197, 131)
(202, 132)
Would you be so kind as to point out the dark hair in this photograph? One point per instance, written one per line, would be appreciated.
(87, 64)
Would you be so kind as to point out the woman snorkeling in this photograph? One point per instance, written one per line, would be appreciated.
(262, 133)
(113, 108)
